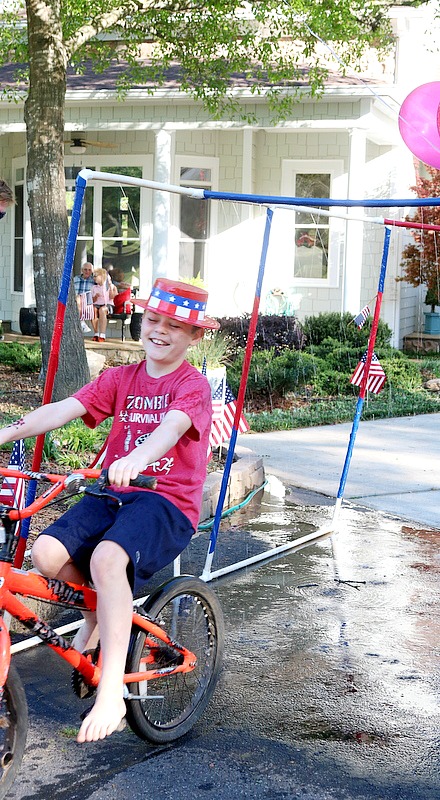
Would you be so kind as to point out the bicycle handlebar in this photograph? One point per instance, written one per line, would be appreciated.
(73, 482)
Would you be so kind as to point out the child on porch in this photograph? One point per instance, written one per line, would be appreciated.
(103, 294)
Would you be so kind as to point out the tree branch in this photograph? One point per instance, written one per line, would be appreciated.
(103, 22)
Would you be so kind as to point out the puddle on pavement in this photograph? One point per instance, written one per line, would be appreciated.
(347, 666)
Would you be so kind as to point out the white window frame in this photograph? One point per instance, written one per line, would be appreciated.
(338, 190)
(27, 293)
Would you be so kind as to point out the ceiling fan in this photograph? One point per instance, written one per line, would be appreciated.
(78, 145)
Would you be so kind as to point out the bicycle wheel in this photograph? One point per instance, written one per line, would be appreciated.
(13, 730)
(170, 705)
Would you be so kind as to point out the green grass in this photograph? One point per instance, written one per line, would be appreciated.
(333, 410)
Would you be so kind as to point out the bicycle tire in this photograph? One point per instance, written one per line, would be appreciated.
(13, 730)
(190, 612)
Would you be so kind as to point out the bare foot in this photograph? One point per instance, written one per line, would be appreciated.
(104, 719)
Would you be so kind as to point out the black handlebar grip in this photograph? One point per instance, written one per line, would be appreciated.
(144, 482)
(141, 482)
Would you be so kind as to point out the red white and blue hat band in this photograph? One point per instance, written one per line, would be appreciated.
(183, 307)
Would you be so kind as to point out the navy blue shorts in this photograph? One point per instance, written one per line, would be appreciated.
(151, 530)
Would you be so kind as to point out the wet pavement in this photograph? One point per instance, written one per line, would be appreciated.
(395, 465)
(329, 689)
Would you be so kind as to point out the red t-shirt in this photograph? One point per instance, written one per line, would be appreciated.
(138, 404)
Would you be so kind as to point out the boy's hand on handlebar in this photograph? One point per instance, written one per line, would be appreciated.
(126, 469)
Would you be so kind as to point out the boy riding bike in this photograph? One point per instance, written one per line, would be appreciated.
(161, 412)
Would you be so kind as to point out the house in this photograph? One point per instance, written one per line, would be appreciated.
(343, 145)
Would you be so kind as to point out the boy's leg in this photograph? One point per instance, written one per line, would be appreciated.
(114, 611)
(50, 557)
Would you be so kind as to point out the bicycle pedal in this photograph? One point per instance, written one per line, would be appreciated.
(85, 713)
(82, 689)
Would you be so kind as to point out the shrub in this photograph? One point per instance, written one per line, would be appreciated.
(341, 328)
(273, 332)
(22, 357)
(271, 375)
(74, 445)
(401, 372)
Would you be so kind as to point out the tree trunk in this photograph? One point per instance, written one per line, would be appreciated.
(44, 117)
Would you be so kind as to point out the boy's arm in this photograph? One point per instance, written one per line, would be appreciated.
(43, 419)
(163, 438)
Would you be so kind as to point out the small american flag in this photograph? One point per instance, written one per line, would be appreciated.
(223, 414)
(376, 375)
(12, 492)
(360, 319)
(87, 310)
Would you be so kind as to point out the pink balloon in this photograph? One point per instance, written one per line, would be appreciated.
(419, 123)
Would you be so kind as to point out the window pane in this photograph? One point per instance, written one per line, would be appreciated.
(120, 212)
(311, 185)
(86, 221)
(191, 260)
(18, 239)
(19, 193)
(132, 172)
(195, 174)
(311, 252)
(123, 257)
(120, 229)
(193, 218)
(18, 265)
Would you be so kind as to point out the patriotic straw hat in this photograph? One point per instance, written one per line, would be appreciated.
(180, 301)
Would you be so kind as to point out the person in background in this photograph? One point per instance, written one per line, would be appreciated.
(117, 277)
(6, 198)
(84, 283)
(103, 294)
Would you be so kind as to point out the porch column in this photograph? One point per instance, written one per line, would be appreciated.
(162, 203)
(351, 300)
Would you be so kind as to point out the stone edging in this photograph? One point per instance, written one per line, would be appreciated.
(247, 474)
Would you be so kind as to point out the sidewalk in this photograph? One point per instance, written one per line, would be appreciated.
(395, 466)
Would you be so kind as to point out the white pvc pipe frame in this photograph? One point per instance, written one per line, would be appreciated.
(301, 542)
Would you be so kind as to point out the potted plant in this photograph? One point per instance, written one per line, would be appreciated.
(421, 259)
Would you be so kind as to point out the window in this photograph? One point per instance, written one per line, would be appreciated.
(311, 231)
(313, 241)
(194, 223)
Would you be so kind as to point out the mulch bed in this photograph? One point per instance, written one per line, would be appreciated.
(18, 390)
